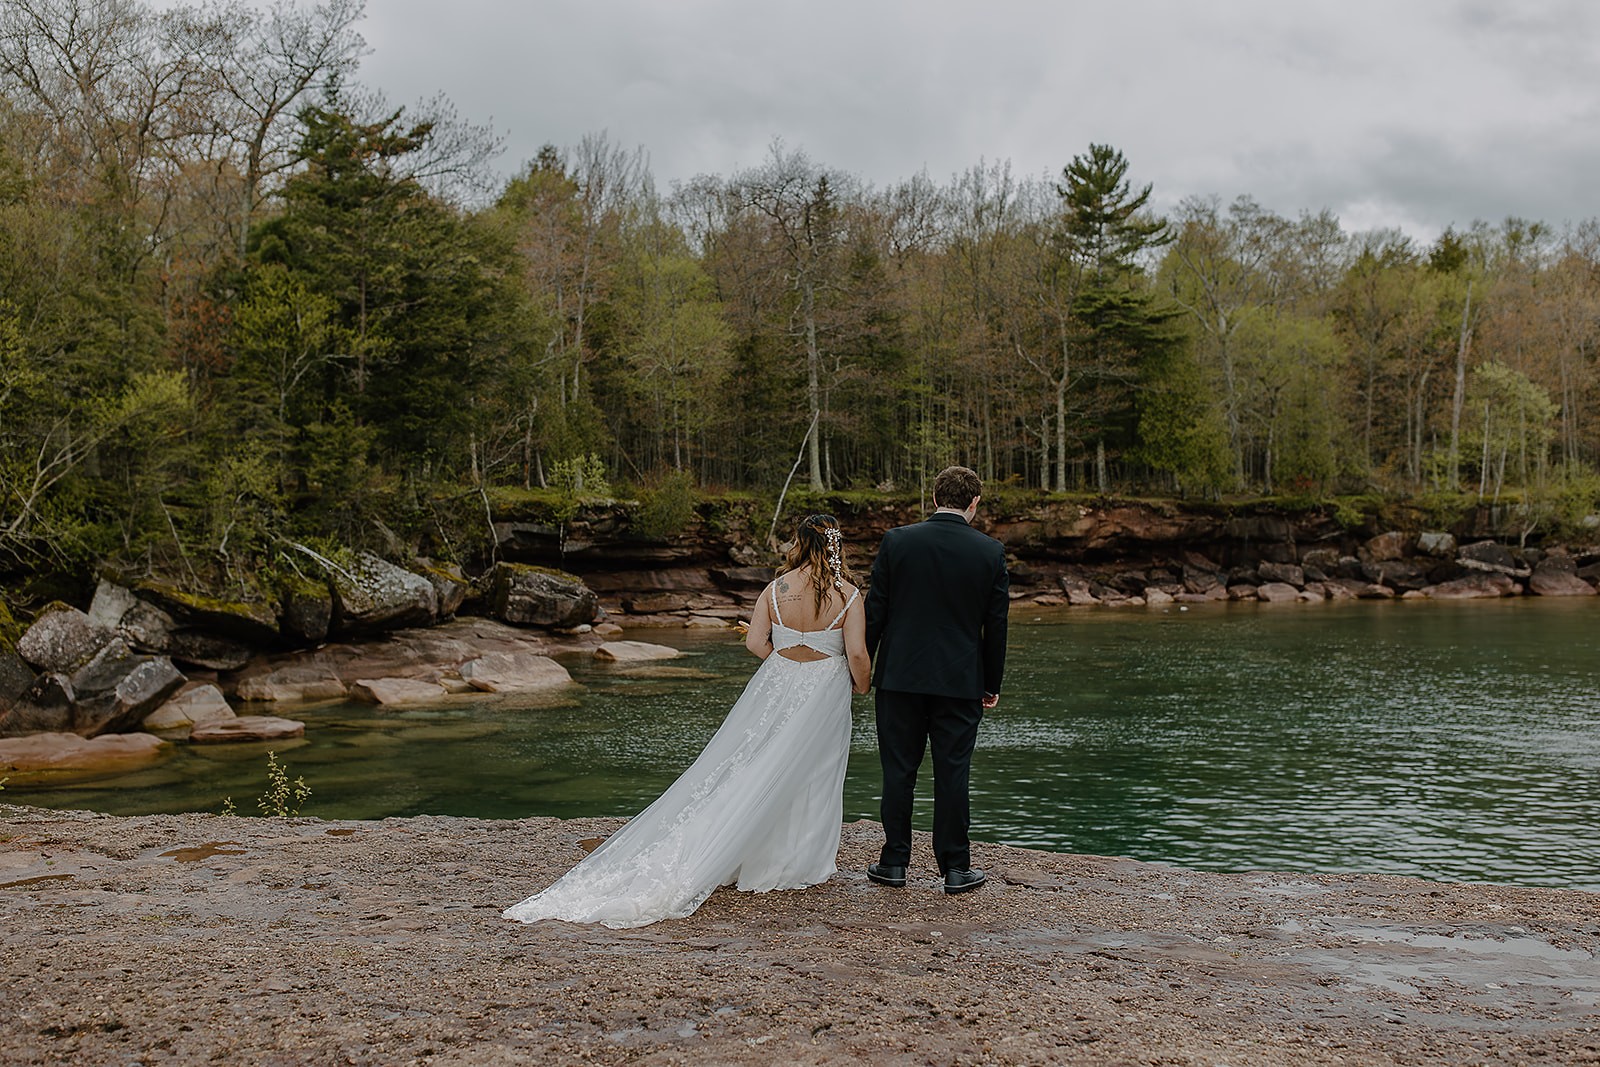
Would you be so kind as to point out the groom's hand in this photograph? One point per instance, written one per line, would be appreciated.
(991, 699)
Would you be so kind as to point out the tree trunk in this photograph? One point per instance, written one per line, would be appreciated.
(1460, 397)
(813, 385)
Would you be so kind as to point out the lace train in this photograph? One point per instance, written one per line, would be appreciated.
(761, 806)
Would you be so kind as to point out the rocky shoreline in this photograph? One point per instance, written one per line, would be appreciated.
(192, 939)
(148, 663)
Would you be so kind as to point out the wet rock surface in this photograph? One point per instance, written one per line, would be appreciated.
(286, 941)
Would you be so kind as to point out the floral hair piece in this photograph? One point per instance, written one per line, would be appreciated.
(835, 541)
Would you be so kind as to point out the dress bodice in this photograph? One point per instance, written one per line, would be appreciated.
(829, 641)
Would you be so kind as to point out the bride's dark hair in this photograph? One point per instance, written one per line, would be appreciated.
(819, 544)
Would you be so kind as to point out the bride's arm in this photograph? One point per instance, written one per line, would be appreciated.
(855, 647)
(759, 639)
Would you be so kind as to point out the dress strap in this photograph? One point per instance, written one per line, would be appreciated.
(773, 589)
(842, 610)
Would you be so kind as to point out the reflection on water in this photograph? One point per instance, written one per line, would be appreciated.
(1447, 740)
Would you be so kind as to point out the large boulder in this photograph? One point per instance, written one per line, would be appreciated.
(111, 602)
(196, 704)
(1357, 588)
(15, 678)
(535, 596)
(1558, 576)
(62, 639)
(1200, 579)
(371, 595)
(199, 649)
(1397, 574)
(514, 672)
(146, 627)
(292, 683)
(305, 611)
(1489, 556)
(150, 629)
(253, 622)
(115, 690)
(1439, 545)
(450, 585)
(1285, 573)
(1322, 557)
(15, 674)
(1385, 546)
(1277, 592)
(44, 707)
(67, 751)
(1473, 586)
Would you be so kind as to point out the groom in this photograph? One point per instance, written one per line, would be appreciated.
(936, 625)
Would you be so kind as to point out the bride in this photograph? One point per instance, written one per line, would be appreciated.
(763, 804)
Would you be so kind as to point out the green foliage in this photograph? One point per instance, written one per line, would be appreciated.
(1180, 432)
(1442, 509)
(228, 807)
(10, 630)
(667, 508)
(244, 502)
(283, 797)
(581, 476)
(1348, 513)
(1508, 418)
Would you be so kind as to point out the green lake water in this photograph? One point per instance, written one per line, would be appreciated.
(1445, 740)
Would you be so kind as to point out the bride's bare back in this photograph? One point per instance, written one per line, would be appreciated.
(797, 603)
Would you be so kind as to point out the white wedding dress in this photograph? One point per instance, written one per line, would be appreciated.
(761, 806)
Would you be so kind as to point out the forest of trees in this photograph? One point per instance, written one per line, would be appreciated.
(243, 295)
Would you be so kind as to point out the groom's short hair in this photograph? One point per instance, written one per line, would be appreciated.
(957, 487)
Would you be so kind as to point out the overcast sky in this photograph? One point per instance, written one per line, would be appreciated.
(1408, 113)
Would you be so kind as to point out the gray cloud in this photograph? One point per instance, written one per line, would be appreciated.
(1413, 115)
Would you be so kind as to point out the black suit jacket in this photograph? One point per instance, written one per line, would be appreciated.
(936, 609)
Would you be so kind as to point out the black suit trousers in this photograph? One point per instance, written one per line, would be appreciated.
(908, 725)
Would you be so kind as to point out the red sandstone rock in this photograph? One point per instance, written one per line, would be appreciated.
(1473, 586)
(247, 728)
(514, 672)
(57, 751)
(634, 652)
(395, 690)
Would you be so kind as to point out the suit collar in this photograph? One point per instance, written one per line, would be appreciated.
(946, 516)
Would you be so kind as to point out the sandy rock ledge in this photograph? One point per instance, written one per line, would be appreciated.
(192, 939)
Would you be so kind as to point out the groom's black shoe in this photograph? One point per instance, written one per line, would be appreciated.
(959, 881)
(884, 874)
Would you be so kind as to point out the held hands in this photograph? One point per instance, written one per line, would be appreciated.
(991, 700)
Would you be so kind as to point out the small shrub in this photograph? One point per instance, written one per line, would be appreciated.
(282, 798)
(580, 476)
(1347, 515)
(666, 509)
